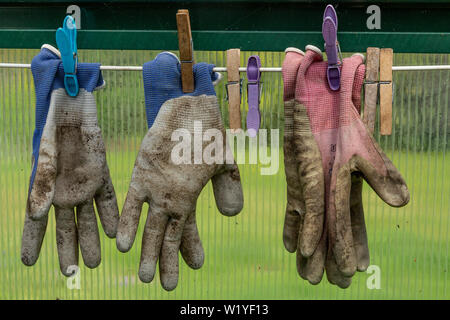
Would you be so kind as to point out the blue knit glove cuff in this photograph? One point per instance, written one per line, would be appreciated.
(162, 82)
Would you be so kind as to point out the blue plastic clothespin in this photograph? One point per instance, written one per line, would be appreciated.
(66, 39)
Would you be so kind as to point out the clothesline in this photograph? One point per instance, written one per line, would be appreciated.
(242, 69)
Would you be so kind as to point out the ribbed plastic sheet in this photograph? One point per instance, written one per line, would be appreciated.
(245, 257)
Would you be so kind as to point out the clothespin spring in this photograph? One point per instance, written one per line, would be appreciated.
(231, 83)
(378, 87)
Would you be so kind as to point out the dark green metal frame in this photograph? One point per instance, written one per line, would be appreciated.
(406, 26)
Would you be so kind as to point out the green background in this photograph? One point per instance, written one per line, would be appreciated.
(245, 257)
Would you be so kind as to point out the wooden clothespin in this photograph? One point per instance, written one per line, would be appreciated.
(386, 59)
(371, 87)
(234, 88)
(185, 46)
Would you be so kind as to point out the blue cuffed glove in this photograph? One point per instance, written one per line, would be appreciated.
(69, 166)
(171, 187)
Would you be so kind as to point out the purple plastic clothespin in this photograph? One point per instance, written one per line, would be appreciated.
(253, 95)
(329, 32)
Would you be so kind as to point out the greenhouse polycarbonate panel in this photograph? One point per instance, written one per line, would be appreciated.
(245, 257)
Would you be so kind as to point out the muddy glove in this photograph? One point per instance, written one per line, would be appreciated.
(345, 147)
(358, 225)
(155, 95)
(297, 234)
(69, 166)
(309, 268)
(170, 184)
(304, 173)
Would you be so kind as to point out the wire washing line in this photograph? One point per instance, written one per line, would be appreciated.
(224, 69)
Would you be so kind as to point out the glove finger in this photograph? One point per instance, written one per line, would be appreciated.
(334, 276)
(357, 86)
(88, 236)
(356, 205)
(340, 224)
(42, 189)
(312, 268)
(312, 181)
(358, 224)
(66, 240)
(191, 245)
(129, 220)
(300, 259)
(390, 186)
(228, 190)
(152, 239)
(32, 237)
(106, 203)
(168, 263)
(291, 63)
(311, 232)
(291, 229)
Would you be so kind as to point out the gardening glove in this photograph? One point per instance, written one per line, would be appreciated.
(69, 167)
(170, 186)
(299, 236)
(309, 268)
(346, 147)
(155, 95)
(359, 232)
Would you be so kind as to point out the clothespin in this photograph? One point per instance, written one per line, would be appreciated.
(253, 95)
(332, 48)
(386, 59)
(66, 39)
(234, 88)
(371, 87)
(186, 47)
